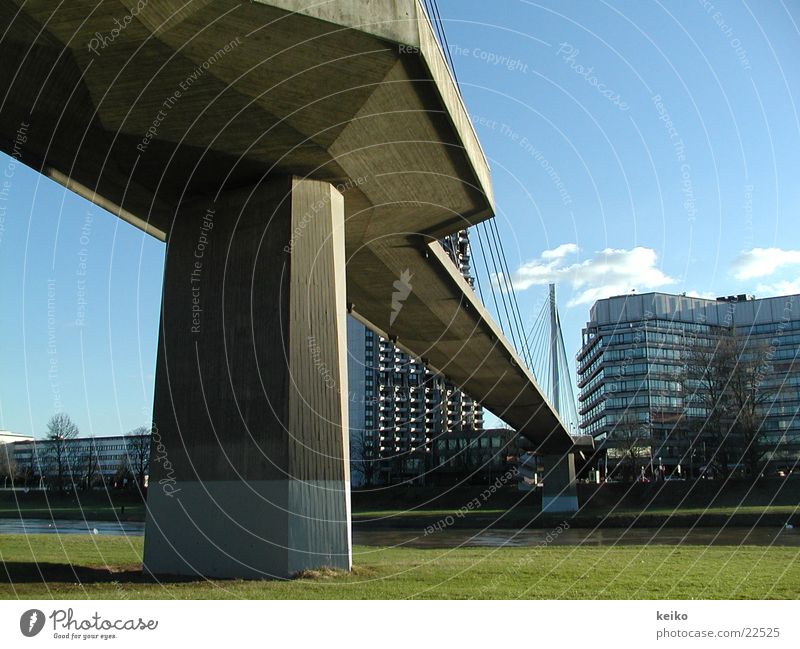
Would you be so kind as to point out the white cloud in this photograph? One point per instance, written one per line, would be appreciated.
(786, 287)
(559, 252)
(706, 295)
(610, 272)
(761, 262)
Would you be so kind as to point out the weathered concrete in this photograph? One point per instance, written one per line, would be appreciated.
(154, 115)
(250, 469)
(560, 492)
(580, 444)
(468, 346)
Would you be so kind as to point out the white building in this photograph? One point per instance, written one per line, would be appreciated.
(6, 437)
(84, 460)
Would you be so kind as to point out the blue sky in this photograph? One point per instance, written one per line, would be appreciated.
(633, 145)
(637, 145)
(81, 292)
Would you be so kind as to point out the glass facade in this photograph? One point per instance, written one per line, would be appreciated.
(632, 374)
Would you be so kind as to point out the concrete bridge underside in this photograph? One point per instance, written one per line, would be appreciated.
(321, 150)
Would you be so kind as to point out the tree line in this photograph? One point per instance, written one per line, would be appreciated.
(726, 379)
(727, 395)
(63, 464)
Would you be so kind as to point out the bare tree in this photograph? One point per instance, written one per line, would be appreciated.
(8, 465)
(750, 396)
(364, 461)
(726, 378)
(60, 430)
(709, 365)
(88, 465)
(28, 471)
(138, 445)
(634, 441)
(123, 475)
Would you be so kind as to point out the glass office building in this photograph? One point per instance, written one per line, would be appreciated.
(632, 377)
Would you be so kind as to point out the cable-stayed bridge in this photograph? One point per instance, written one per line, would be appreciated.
(298, 159)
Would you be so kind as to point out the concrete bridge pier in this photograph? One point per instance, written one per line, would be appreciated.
(249, 468)
(560, 493)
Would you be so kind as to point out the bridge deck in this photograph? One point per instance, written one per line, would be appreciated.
(186, 100)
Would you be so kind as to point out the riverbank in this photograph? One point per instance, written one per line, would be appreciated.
(422, 521)
(445, 537)
(95, 506)
(108, 567)
(767, 503)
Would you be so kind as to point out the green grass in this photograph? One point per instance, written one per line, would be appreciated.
(135, 512)
(73, 512)
(108, 567)
(521, 517)
(517, 517)
(693, 511)
(404, 513)
(593, 512)
(88, 506)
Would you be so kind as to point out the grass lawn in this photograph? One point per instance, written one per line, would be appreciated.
(520, 517)
(133, 512)
(97, 567)
(420, 518)
(83, 506)
(593, 512)
(723, 511)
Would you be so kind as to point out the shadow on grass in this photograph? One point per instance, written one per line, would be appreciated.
(29, 572)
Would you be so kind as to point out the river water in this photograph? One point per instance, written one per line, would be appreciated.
(451, 538)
